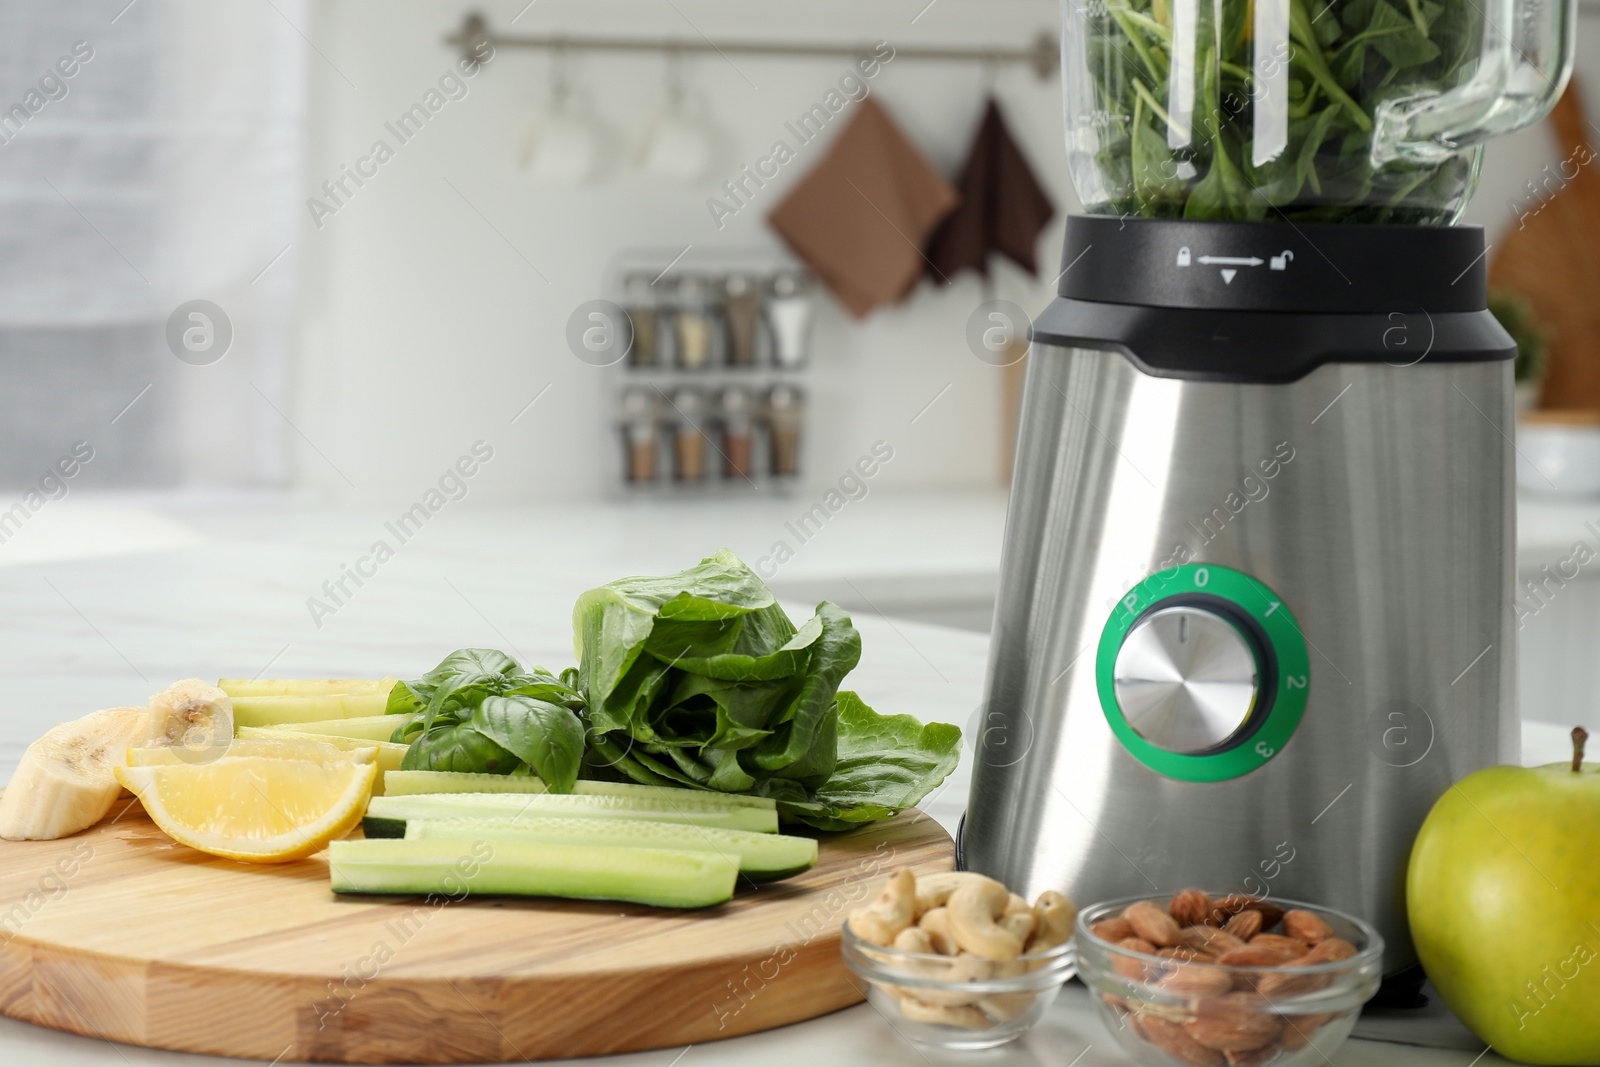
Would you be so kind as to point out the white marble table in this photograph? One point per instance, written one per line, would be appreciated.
(109, 601)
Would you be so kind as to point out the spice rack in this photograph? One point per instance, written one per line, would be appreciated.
(711, 396)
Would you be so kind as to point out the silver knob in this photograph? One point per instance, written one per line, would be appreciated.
(1185, 679)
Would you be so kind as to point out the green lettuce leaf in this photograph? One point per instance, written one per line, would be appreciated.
(887, 763)
(700, 679)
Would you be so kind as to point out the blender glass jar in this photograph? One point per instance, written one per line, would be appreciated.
(1370, 111)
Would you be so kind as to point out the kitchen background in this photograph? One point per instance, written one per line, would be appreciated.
(380, 334)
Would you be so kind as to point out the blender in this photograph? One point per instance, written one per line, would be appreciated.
(1254, 607)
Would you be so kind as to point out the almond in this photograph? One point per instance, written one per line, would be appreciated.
(1209, 939)
(1288, 944)
(1232, 904)
(1299, 1029)
(1244, 925)
(1307, 927)
(1292, 983)
(1254, 1058)
(1190, 907)
(1132, 968)
(1271, 914)
(1176, 1042)
(1112, 930)
(1196, 980)
(1234, 1022)
(1151, 922)
(1186, 954)
(1253, 955)
(1329, 951)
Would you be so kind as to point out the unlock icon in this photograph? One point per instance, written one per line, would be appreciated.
(1281, 262)
(1183, 256)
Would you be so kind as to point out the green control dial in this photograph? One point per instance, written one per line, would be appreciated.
(1202, 672)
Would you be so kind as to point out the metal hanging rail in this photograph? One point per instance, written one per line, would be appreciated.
(1043, 56)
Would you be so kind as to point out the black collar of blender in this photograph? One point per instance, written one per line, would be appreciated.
(1269, 347)
(1275, 266)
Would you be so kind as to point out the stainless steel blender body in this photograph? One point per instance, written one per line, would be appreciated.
(1366, 506)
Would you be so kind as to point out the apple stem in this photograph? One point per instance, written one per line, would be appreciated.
(1579, 736)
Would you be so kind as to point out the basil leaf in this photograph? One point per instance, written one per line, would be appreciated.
(458, 748)
(545, 736)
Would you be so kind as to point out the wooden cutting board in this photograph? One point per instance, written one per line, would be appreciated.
(120, 933)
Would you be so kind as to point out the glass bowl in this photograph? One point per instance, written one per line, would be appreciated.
(958, 1002)
(1164, 1011)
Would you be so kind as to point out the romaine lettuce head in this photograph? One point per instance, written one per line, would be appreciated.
(700, 679)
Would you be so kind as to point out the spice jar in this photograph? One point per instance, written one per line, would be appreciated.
(639, 436)
(689, 439)
(640, 301)
(741, 313)
(786, 407)
(789, 313)
(693, 321)
(738, 437)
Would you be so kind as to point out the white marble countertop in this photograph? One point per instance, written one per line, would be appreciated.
(110, 600)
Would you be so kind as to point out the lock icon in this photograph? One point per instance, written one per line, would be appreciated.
(1183, 256)
(1281, 262)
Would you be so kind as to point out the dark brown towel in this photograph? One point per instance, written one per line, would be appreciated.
(1003, 207)
(860, 218)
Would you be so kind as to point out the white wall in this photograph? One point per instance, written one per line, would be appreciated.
(425, 329)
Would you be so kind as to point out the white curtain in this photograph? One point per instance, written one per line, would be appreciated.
(149, 155)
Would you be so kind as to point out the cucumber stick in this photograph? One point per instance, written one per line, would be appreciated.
(417, 783)
(361, 728)
(667, 878)
(303, 687)
(279, 709)
(762, 857)
(387, 815)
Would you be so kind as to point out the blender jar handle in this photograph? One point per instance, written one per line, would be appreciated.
(1525, 61)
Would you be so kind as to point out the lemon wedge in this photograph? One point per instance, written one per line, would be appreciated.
(268, 748)
(257, 809)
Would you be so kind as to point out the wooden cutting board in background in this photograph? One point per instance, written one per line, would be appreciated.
(1552, 258)
(152, 943)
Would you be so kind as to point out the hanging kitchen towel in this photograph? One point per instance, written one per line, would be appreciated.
(1003, 206)
(860, 218)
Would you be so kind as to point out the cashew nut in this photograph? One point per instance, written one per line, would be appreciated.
(1053, 916)
(1004, 1007)
(914, 939)
(955, 970)
(937, 924)
(880, 922)
(933, 890)
(964, 1016)
(1018, 923)
(974, 910)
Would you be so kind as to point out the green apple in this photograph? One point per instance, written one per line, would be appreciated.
(1504, 898)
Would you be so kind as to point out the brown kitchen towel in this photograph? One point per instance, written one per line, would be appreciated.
(860, 218)
(1003, 206)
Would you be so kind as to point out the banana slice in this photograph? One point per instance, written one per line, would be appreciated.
(66, 780)
(191, 714)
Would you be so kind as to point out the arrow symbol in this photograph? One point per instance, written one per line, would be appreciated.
(1227, 276)
(1238, 261)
